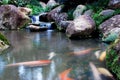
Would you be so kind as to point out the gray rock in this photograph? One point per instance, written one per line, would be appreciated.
(53, 14)
(109, 24)
(51, 4)
(107, 13)
(79, 11)
(82, 27)
(110, 27)
(88, 12)
(114, 4)
(64, 24)
(43, 5)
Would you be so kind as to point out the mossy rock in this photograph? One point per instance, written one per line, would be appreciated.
(110, 38)
(4, 39)
(113, 58)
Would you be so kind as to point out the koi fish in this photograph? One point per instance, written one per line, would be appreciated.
(31, 63)
(64, 75)
(105, 72)
(100, 73)
(95, 72)
(83, 52)
(102, 56)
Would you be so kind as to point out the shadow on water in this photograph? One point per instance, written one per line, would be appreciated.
(28, 46)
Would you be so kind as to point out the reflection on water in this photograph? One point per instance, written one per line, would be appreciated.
(30, 73)
(26, 46)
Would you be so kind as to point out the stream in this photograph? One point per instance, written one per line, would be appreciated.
(30, 46)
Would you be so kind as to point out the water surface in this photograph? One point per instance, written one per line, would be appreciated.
(29, 46)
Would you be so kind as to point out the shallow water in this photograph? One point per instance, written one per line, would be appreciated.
(29, 46)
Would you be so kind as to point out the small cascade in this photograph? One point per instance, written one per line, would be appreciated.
(37, 25)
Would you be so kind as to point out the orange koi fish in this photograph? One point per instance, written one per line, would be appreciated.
(83, 52)
(64, 75)
(31, 63)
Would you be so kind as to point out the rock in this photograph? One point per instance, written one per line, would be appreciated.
(25, 10)
(4, 44)
(113, 58)
(34, 28)
(79, 11)
(51, 4)
(53, 14)
(12, 18)
(61, 17)
(110, 27)
(107, 13)
(114, 4)
(43, 4)
(64, 24)
(82, 27)
(112, 35)
(56, 15)
(88, 12)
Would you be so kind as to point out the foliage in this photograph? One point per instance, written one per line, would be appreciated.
(35, 9)
(70, 14)
(2, 37)
(97, 7)
(117, 11)
(112, 61)
(5, 1)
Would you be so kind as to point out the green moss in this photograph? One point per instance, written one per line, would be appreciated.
(2, 37)
(112, 60)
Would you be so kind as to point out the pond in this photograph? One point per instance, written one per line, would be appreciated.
(31, 46)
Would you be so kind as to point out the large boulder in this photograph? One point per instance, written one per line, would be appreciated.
(79, 11)
(110, 28)
(12, 18)
(114, 4)
(53, 14)
(82, 27)
(113, 58)
(57, 16)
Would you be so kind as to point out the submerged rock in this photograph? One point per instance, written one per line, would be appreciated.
(81, 27)
(110, 28)
(113, 58)
(12, 18)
